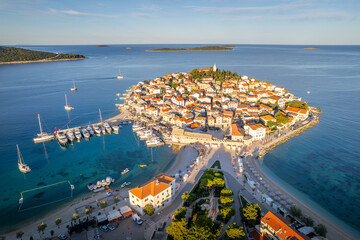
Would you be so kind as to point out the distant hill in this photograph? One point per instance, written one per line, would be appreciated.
(21, 55)
(204, 48)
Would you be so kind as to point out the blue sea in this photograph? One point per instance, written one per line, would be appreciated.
(321, 164)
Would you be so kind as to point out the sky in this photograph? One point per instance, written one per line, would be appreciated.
(72, 22)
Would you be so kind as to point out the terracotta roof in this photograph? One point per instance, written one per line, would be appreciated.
(268, 118)
(153, 188)
(297, 110)
(281, 227)
(165, 179)
(235, 130)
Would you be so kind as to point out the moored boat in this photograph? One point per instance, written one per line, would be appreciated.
(126, 170)
(43, 136)
(90, 130)
(62, 139)
(77, 134)
(23, 167)
(70, 136)
(85, 133)
(97, 130)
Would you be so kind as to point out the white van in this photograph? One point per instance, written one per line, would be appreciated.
(137, 219)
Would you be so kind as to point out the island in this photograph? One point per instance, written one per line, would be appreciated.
(203, 48)
(311, 48)
(102, 46)
(13, 55)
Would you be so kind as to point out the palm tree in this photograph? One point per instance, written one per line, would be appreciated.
(58, 222)
(19, 234)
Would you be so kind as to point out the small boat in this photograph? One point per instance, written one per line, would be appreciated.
(308, 92)
(43, 136)
(90, 130)
(120, 76)
(103, 130)
(22, 165)
(77, 134)
(143, 165)
(73, 88)
(85, 133)
(98, 184)
(91, 186)
(115, 128)
(123, 185)
(21, 200)
(97, 130)
(61, 137)
(154, 142)
(107, 127)
(70, 136)
(103, 183)
(126, 170)
(67, 107)
(127, 183)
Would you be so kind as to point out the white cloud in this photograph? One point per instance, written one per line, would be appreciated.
(77, 13)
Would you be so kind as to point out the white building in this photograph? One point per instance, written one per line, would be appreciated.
(256, 130)
(157, 193)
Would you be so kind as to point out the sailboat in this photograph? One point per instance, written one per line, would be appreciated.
(120, 76)
(22, 166)
(67, 107)
(73, 88)
(43, 136)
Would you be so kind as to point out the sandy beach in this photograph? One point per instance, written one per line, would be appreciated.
(334, 232)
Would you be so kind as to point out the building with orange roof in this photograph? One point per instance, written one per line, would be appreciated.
(236, 134)
(275, 227)
(256, 130)
(267, 118)
(157, 192)
(302, 113)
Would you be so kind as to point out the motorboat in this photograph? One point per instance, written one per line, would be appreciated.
(43, 136)
(103, 183)
(126, 170)
(85, 133)
(103, 130)
(77, 134)
(154, 142)
(61, 137)
(23, 167)
(115, 128)
(119, 76)
(97, 130)
(142, 165)
(91, 186)
(144, 135)
(107, 127)
(70, 136)
(90, 130)
(67, 107)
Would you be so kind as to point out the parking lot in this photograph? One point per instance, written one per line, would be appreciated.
(127, 229)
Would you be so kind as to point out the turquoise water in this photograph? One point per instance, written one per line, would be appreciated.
(322, 163)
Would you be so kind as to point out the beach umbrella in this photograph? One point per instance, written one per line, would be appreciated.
(283, 202)
(277, 198)
(283, 196)
(272, 194)
(290, 201)
(278, 192)
(288, 206)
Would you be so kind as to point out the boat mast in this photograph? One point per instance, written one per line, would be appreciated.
(65, 100)
(74, 83)
(40, 124)
(100, 115)
(19, 156)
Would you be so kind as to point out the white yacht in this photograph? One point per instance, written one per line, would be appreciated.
(77, 134)
(70, 135)
(120, 76)
(126, 170)
(62, 139)
(103, 130)
(144, 135)
(107, 127)
(73, 88)
(97, 129)
(42, 136)
(90, 130)
(85, 133)
(22, 165)
(115, 128)
(67, 107)
(154, 142)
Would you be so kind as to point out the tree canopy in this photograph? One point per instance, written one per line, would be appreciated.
(298, 104)
(12, 54)
(251, 214)
(235, 232)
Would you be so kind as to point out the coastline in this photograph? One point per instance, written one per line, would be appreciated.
(186, 50)
(334, 232)
(41, 61)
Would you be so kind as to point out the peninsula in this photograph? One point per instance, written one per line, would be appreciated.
(12, 55)
(203, 48)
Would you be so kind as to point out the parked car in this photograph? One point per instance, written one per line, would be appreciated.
(104, 228)
(62, 237)
(110, 227)
(137, 219)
